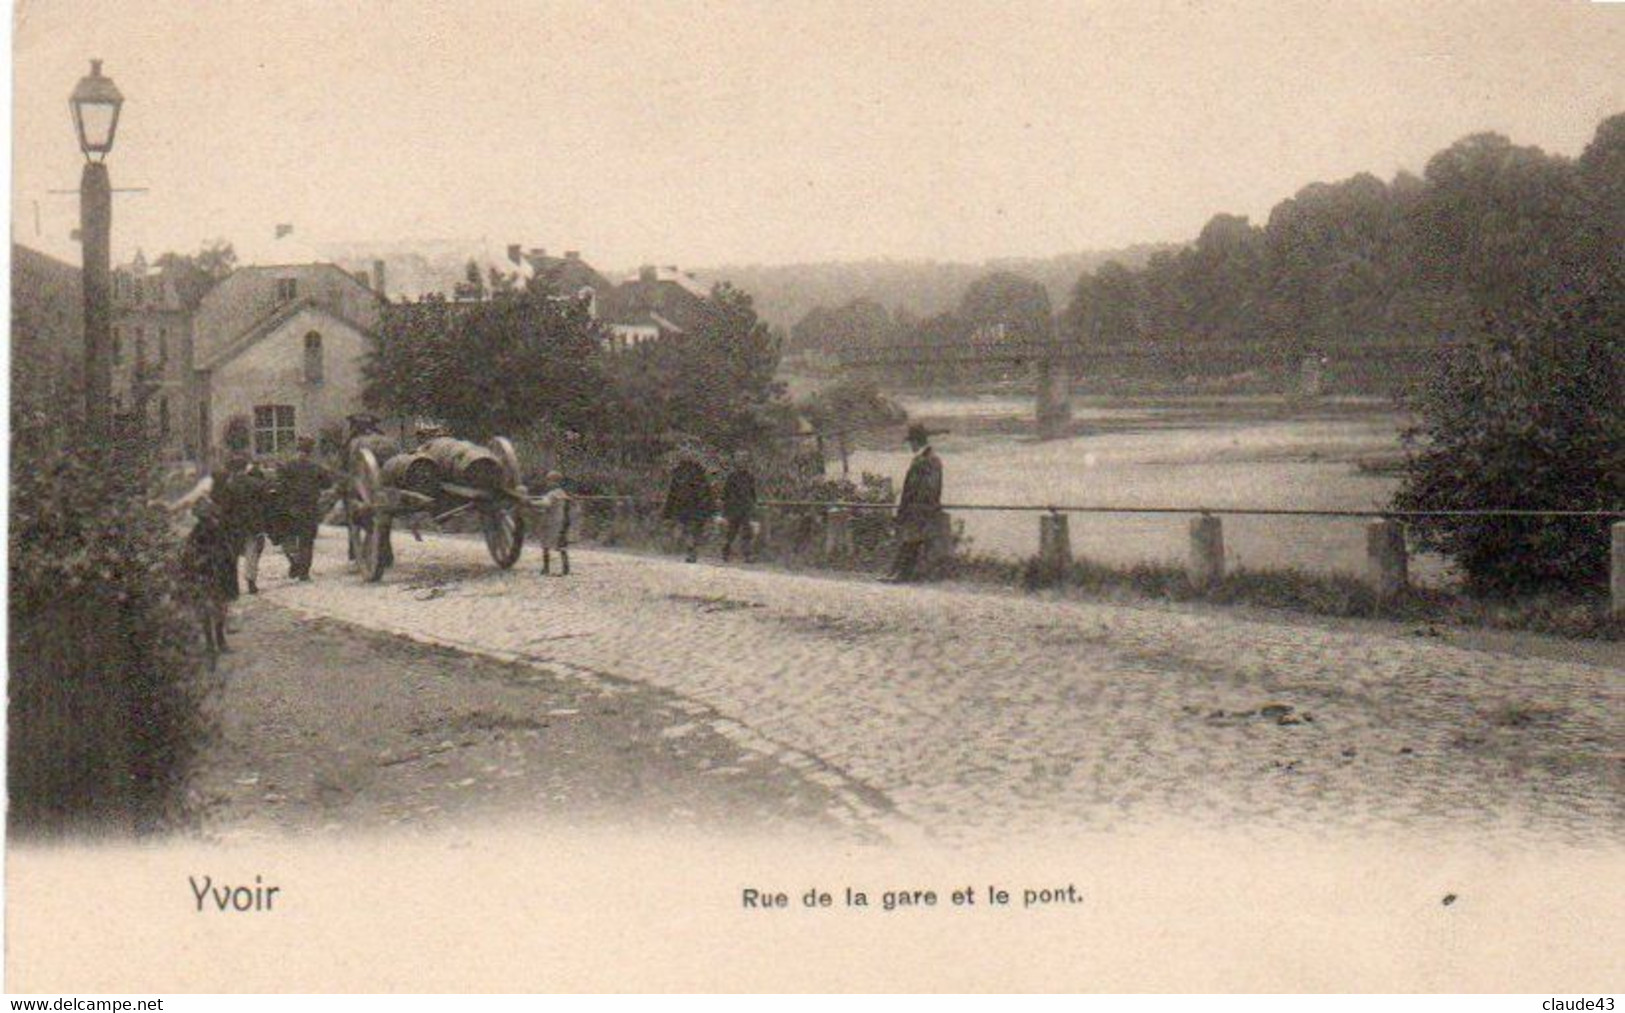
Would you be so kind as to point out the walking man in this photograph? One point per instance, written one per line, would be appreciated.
(919, 508)
(243, 498)
(689, 502)
(301, 482)
(739, 507)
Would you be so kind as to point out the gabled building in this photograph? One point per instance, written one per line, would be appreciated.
(268, 354)
(277, 354)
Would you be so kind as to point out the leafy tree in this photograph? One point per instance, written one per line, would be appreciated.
(1011, 304)
(714, 383)
(489, 368)
(196, 273)
(851, 405)
(859, 323)
(1527, 415)
(1503, 223)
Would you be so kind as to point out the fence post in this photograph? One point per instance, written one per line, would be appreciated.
(1054, 543)
(838, 533)
(1386, 566)
(1207, 551)
(1617, 573)
(764, 530)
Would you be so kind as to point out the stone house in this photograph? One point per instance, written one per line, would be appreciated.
(269, 354)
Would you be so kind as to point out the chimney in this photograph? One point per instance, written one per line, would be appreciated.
(378, 277)
(648, 272)
(516, 253)
(572, 254)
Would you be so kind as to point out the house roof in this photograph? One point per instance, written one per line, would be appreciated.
(267, 325)
(244, 298)
(673, 306)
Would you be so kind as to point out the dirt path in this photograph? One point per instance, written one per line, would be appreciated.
(324, 727)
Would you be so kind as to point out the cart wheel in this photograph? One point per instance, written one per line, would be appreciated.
(504, 533)
(503, 448)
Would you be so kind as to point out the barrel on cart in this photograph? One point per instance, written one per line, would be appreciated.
(442, 479)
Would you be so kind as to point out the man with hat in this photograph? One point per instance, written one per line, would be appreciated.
(300, 484)
(919, 508)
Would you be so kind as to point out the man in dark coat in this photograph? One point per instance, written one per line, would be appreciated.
(919, 509)
(689, 502)
(300, 484)
(243, 495)
(739, 507)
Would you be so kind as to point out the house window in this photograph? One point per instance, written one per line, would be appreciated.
(140, 348)
(163, 418)
(163, 346)
(287, 289)
(273, 428)
(313, 358)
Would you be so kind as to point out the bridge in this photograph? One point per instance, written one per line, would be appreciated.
(1305, 372)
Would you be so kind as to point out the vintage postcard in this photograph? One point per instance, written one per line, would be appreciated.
(711, 495)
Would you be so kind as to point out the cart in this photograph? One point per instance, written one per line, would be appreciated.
(373, 505)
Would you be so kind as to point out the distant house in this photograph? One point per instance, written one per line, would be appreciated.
(655, 304)
(658, 303)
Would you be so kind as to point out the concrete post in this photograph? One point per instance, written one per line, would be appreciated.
(1054, 543)
(1054, 410)
(838, 533)
(765, 531)
(1207, 551)
(1617, 574)
(622, 524)
(1386, 565)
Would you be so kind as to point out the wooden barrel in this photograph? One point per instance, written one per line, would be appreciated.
(415, 472)
(465, 463)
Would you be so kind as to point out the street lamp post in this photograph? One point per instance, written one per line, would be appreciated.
(96, 103)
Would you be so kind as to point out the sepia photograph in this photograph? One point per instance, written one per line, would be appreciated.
(719, 495)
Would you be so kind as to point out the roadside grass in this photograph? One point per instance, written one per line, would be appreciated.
(1575, 616)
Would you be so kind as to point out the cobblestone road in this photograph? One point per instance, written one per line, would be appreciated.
(965, 714)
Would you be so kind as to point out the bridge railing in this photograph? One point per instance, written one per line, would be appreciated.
(1386, 564)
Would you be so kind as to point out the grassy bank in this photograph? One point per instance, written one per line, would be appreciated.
(800, 546)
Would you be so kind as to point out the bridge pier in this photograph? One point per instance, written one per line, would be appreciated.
(1054, 409)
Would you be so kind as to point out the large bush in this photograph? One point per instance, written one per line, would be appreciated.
(1528, 415)
(107, 675)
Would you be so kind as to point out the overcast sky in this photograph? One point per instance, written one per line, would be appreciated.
(718, 132)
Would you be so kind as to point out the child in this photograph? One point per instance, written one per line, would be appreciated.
(554, 513)
(211, 561)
